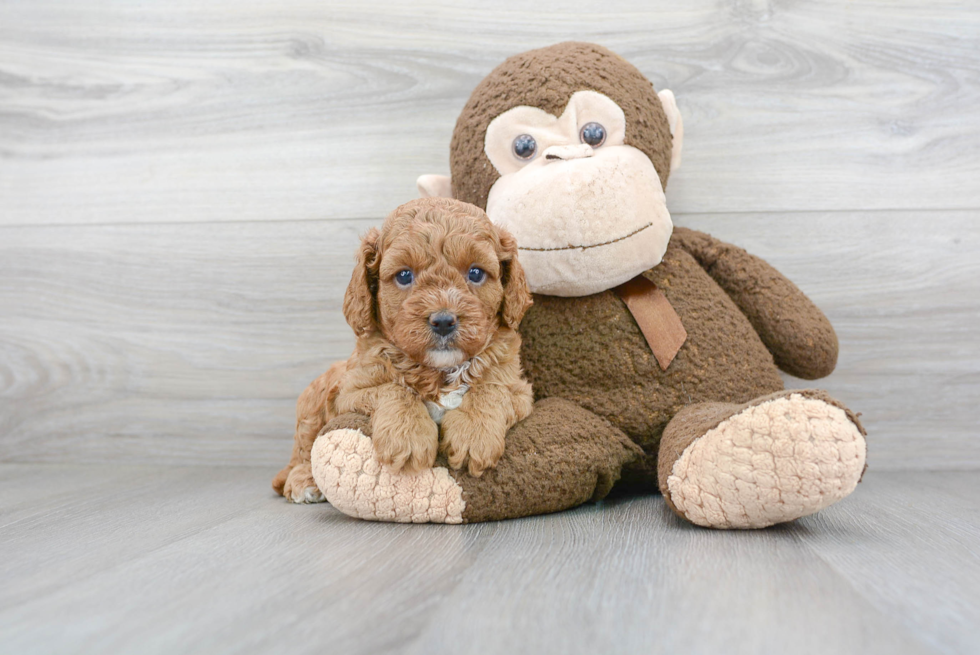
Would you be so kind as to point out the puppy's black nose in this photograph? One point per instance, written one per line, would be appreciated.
(443, 323)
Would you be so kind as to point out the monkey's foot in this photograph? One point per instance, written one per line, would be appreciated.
(772, 460)
(559, 457)
(349, 474)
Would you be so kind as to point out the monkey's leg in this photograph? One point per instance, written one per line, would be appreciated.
(559, 457)
(771, 460)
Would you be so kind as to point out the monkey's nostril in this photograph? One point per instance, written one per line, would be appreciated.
(567, 153)
(443, 323)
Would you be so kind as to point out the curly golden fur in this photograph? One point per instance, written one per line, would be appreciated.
(400, 360)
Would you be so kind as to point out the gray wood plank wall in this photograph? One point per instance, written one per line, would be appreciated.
(182, 185)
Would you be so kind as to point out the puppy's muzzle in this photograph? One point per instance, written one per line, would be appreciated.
(443, 323)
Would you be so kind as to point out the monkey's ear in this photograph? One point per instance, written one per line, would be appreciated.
(359, 299)
(435, 186)
(517, 293)
(676, 126)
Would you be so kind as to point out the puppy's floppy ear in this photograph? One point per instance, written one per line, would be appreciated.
(359, 305)
(517, 293)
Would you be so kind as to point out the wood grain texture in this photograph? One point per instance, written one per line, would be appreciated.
(917, 521)
(189, 344)
(253, 110)
(178, 343)
(164, 560)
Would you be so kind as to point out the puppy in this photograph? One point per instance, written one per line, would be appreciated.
(435, 300)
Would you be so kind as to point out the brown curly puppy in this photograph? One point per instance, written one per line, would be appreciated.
(434, 300)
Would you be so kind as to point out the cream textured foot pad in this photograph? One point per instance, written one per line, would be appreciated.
(774, 462)
(350, 476)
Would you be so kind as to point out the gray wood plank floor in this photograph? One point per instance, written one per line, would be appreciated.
(204, 560)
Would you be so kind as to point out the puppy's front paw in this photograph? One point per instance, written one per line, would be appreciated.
(408, 448)
(300, 486)
(465, 438)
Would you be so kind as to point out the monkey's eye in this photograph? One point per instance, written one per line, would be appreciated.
(476, 275)
(404, 278)
(525, 146)
(593, 134)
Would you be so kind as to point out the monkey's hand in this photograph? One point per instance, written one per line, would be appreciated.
(795, 331)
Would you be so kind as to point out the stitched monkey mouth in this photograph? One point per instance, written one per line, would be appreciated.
(594, 245)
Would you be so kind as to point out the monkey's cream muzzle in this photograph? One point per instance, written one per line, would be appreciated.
(598, 221)
(586, 218)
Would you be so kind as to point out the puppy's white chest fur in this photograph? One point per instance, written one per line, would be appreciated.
(447, 401)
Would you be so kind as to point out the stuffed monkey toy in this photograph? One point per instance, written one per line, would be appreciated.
(654, 352)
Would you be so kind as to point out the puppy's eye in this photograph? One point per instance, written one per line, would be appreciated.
(525, 146)
(404, 278)
(476, 275)
(593, 134)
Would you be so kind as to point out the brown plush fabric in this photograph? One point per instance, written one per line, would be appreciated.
(559, 457)
(546, 78)
(590, 351)
(349, 421)
(799, 336)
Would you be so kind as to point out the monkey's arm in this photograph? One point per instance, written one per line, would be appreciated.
(795, 331)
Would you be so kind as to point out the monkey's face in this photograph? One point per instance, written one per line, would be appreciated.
(588, 211)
